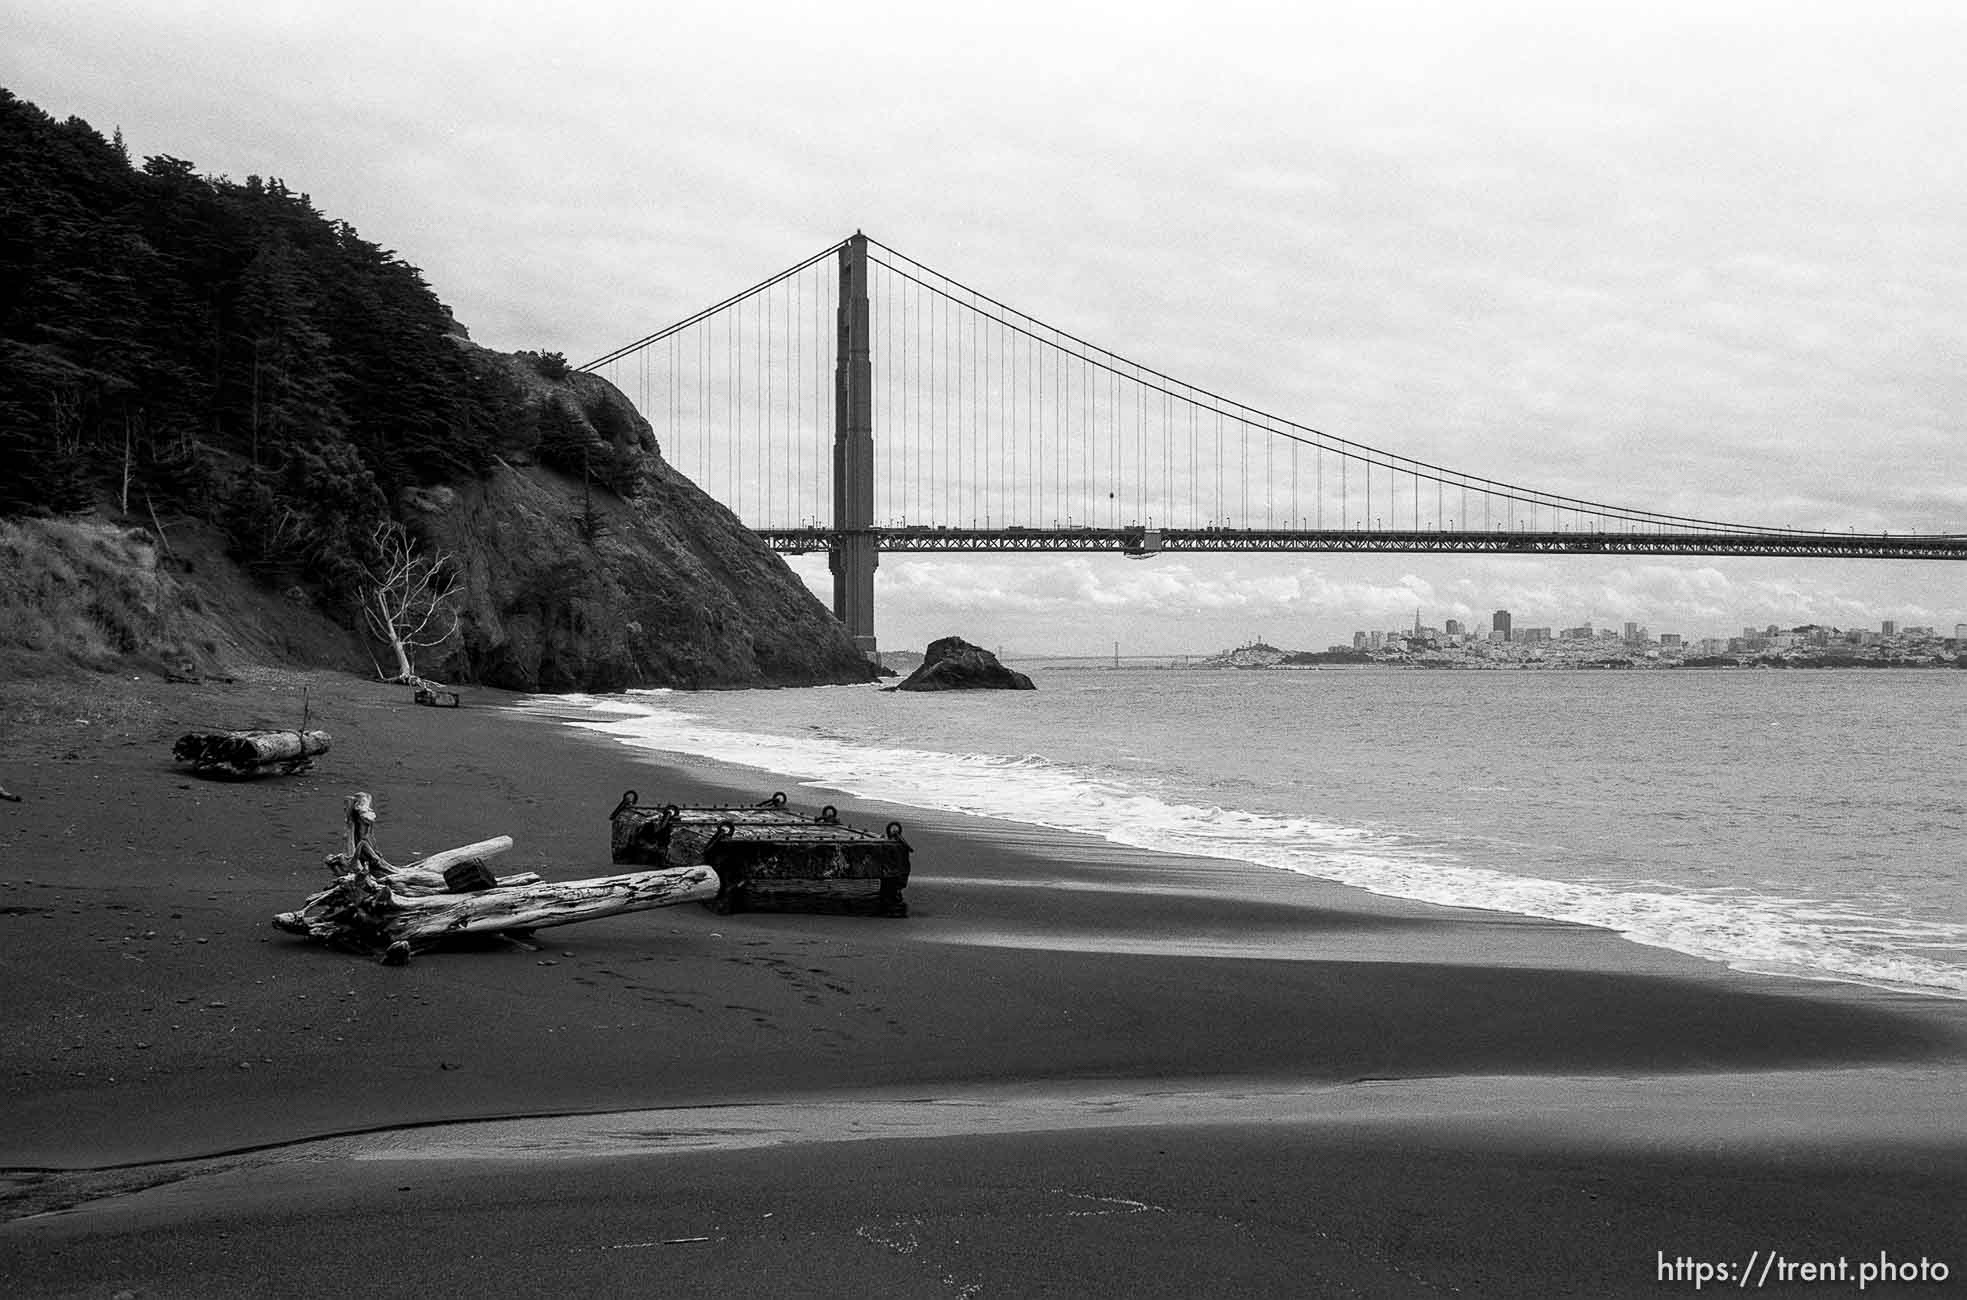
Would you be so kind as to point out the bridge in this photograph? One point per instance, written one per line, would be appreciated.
(859, 402)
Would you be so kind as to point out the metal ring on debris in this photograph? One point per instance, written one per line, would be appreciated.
(725, 831)
(628, 801)
(894, 830)
(776, 801)
(828, 815)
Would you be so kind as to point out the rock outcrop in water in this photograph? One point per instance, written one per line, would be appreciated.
(953, 664)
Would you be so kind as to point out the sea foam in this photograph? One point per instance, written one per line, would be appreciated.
(1741, 928)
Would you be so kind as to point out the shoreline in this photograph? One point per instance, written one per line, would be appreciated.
(156, 1016)
(1071, 841)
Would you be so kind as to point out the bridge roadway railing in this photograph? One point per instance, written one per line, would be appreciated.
(1141, 542)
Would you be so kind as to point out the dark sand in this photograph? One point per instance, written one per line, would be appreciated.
(1073, 1070)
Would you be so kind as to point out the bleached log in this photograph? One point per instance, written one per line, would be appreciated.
(548, 903)
(425, 875)
(358, 819)
(334, 900)
(483, 849)
(250, 753)
(376, 907)
(368, 913)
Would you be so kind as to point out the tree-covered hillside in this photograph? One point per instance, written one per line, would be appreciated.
(191, 344)
(207, 365)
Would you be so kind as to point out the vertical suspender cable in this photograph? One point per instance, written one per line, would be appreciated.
(1218, 510)
(765, 399)
(796, 345)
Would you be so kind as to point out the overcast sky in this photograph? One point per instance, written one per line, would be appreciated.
(1705, 258)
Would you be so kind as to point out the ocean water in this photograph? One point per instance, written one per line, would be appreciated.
(1801, 823)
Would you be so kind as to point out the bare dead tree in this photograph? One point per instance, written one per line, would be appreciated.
(65, 415)
(129, 451)
(411, 600)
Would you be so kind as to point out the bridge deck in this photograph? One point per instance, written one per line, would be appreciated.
(1142, 542)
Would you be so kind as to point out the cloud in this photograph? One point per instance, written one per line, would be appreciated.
(1703, 260)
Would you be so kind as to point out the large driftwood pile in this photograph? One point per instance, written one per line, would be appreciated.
(380, 909)
(250, 753)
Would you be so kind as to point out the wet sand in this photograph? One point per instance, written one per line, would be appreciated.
(1073, 1070)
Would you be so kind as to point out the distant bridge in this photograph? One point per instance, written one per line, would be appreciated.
(998, 432)
(1141, 542)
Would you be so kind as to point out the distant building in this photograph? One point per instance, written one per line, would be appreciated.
(1888, 628)
(1528, 634)
(1358, 640)
(1375, 640)
(1455, 627)
(1577, 633)
(1632, 632)
(1500, 623)
(1960, 631)
(1669, 640)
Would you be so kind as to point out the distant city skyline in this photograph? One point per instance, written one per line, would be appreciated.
(1505, 629)
(1285, 638)
(1375, 638)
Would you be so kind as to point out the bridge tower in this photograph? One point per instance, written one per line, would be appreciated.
(854, 554)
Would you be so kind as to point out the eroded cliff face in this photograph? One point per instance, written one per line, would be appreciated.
(573, 588)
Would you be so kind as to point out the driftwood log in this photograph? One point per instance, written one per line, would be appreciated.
(436, 694)
(392, 911)
(250, 753)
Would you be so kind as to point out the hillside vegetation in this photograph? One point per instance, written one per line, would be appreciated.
(218, 364)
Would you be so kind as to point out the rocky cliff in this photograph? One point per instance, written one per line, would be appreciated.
(590, 564)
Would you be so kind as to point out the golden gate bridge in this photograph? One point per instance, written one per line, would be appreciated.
(859, 401)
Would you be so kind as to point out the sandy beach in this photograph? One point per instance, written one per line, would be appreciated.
(1072, 1070)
